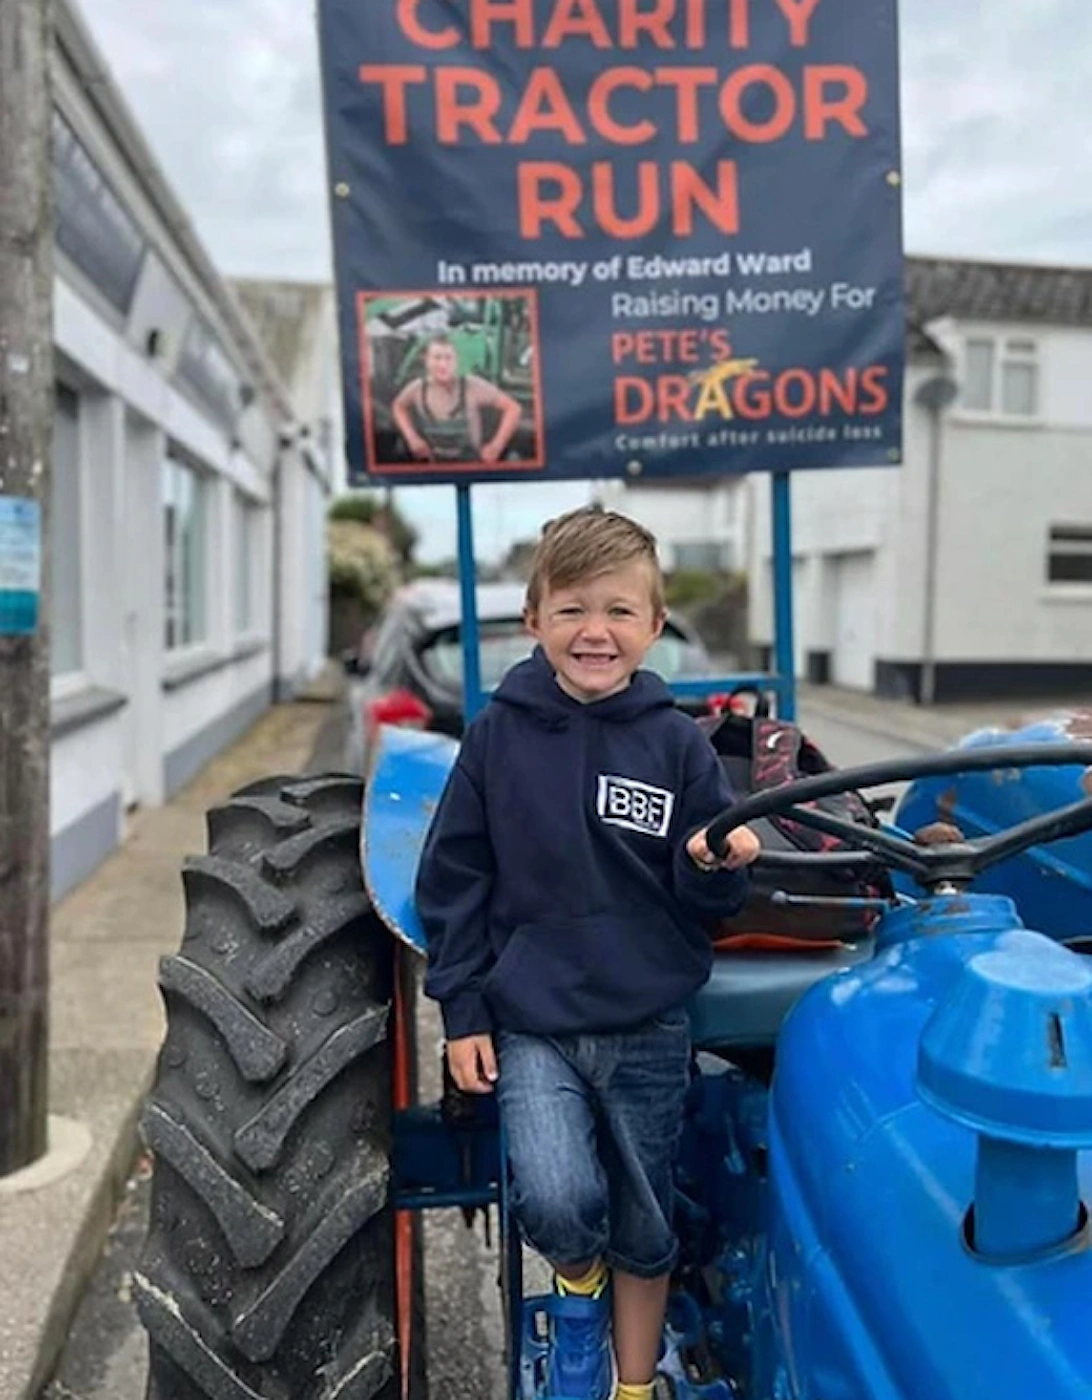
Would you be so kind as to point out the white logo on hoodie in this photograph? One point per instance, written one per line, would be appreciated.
(636, 806)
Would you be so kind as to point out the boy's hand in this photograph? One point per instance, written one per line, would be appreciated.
(473, 1063)
(743, 847)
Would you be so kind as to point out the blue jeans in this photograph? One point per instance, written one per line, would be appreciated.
(593, 1125)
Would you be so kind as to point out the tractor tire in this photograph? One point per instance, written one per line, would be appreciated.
(268, 1268)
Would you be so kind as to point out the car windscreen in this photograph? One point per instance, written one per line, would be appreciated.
(505, 642)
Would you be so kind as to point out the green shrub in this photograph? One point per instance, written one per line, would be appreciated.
(360, 507)
(686, 587)
(361, 564)
(366, 508)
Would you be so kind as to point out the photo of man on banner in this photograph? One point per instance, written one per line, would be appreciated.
(452, 380)
(440, 414)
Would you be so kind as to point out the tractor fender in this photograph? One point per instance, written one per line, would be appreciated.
(409, 770)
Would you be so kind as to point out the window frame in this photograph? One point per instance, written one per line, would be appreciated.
(1008, 347)
(174, 651)
(86, 204)
(1064, 540)
(247, 514)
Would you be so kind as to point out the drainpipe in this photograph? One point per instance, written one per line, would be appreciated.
(934, 394)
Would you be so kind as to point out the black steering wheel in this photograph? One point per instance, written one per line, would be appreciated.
(870, 849)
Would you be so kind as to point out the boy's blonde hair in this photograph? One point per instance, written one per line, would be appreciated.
(586, 543)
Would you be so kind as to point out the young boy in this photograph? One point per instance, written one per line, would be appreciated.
(565, 887)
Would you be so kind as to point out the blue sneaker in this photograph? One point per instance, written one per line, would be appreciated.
(581, 1364)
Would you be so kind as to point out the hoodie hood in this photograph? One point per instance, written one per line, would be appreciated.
(532, 686)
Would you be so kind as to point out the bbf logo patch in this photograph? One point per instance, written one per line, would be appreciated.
(636, 806)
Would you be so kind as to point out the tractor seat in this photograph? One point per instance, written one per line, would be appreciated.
(749, 993)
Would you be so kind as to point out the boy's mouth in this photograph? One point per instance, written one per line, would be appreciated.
(594, 658)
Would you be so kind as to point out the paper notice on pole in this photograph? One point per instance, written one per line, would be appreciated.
(20, 565)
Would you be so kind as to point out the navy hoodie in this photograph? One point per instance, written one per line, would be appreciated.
(555, 888)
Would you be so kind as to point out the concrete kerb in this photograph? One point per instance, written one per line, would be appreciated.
(107, 937)
(105, 1192)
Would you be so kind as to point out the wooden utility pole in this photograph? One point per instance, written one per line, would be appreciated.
(26, 423)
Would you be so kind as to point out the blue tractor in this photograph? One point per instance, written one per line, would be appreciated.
(882, 1183)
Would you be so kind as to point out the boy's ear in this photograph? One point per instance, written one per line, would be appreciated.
(530, 621)
(661, 619)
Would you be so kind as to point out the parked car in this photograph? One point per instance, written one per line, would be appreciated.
(410, 665)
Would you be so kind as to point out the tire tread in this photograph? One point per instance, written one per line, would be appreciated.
(267, 1270)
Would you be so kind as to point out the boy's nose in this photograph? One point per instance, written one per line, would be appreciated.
(595, 626)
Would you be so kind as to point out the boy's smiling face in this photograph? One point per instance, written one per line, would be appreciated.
(597, 631)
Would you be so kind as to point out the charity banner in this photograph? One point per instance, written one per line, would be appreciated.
(584, 238)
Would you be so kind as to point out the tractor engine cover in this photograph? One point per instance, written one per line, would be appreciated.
(876, 1276)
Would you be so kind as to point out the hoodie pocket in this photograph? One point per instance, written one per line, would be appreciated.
(608, 971)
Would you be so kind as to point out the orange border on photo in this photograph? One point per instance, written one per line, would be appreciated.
(537, 463)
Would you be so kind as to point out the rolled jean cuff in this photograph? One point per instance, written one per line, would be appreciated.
(614, 1260)
(565, 1257)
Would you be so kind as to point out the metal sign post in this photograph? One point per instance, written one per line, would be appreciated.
(469, 631)
(784, 657)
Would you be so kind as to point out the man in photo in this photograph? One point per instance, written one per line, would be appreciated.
(440, 414)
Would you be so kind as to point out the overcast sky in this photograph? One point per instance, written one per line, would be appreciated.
(997, 107)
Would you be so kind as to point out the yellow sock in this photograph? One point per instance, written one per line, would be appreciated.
(590, 1286)
(633, 1392)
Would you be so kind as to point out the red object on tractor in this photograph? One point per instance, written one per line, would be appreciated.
(398, 707)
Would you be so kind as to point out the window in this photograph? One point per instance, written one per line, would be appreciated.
(978, 375)
(66, 606)
(702, 556)
(1069, 557)
(204, 368)
(184, 523)
(1020, 378)
(1001, 376)
(92, 226)
(248, 520)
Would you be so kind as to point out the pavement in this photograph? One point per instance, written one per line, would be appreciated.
(107, 1024)
(925, 727)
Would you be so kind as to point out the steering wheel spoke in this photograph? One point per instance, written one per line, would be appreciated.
(862, 864)
(1048, 826)
(895, 850)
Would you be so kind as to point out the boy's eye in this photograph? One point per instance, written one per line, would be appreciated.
(568, 612)
(621, 612)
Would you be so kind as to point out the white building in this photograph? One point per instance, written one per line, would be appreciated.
(188, 491)
(967, 571)
(297, 324)
(699, 522)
